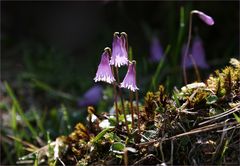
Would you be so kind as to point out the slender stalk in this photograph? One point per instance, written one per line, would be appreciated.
(195, 69)
(136, 93)
(186, 53)
(115, 103)
(131, 107)
(125, 157)
(115, 95)
(122, 101)
(118, 82)
(138, 114)
(136, 96)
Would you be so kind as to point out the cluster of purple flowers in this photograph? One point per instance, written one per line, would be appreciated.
(105, 72)
(118, 57)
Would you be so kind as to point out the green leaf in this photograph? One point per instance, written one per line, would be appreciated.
(50, 90)
(19, 110)
(211, 99)
(117, 147)
(101, 134)
(159, 67)
(237, 117)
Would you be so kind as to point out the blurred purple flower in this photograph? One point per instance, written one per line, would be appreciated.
(129, 81)
(156, 50)
(188, 61)
(92, 96)
(198, 54)
(119, 50)
(104, 72)
(205, 18)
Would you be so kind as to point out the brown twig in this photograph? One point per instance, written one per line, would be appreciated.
(221, 115)
(194, 131)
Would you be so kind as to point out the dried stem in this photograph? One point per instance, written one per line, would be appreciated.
(125, 154)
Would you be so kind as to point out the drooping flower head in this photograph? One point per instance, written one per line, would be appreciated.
(205, 18)
(129, 81)
(104, 72)
(119, 50)
(198, 54)
(156, 50)
(91, 96)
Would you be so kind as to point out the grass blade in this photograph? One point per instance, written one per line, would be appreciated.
(159, 67)
(19, 110)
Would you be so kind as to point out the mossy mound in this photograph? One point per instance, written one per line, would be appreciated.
(198, 124)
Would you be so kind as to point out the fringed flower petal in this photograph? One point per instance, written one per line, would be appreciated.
(129, 82)
(104, 72)
(119, 50)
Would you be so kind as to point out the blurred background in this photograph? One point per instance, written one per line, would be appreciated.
(51, 50)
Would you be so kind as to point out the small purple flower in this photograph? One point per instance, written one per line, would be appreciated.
(156, 50)
(205, 18)
(92, 96)
(104, 72)
(198, 54)
(129, 81)
(119, 50)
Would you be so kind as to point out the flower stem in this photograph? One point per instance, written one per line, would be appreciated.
(190, 55)
(122, 102)
(196, 69)
(115, 101)
(136, 96)
(131, 107)
(138, 113)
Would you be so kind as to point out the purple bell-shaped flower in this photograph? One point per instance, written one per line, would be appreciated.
(119, 50)
(104, 72)
(129, 82)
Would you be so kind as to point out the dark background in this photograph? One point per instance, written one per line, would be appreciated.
(50, 51)
(60, 42)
